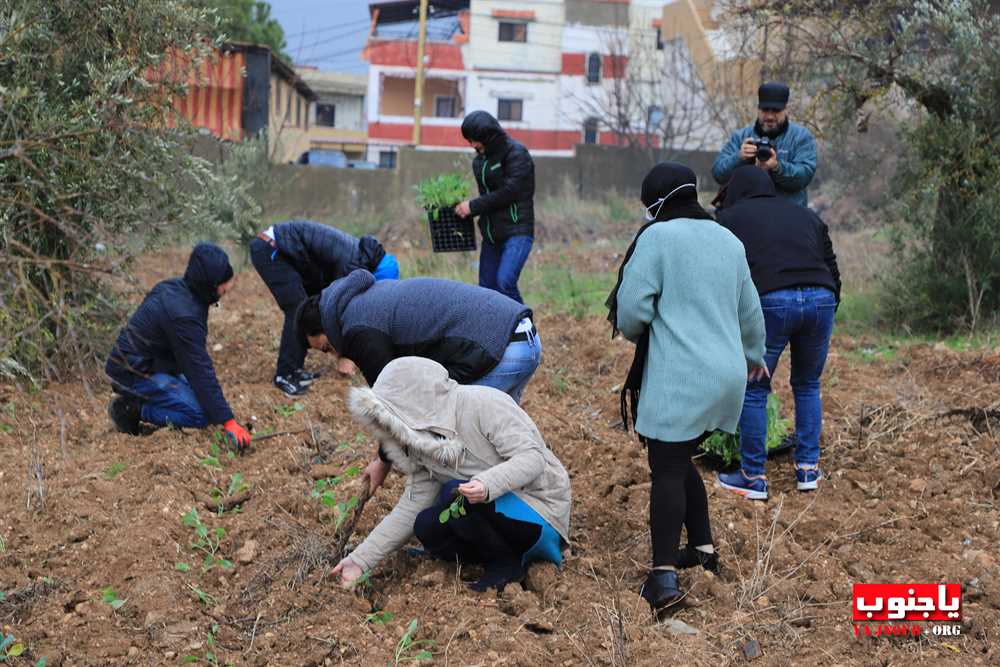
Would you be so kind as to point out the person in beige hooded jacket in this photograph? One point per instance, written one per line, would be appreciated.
(464, 443)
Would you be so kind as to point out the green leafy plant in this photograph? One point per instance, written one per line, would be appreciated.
(206, 541)
(109, 596)
(236, 485)
(182, 567)
(114, 470)
(454, 510)
(726, 446)
(289, 410)
(10, 648)
(203, 597)
(378, 617)
(325, 490)
(209, 657)
(442, 191)
(408, 649)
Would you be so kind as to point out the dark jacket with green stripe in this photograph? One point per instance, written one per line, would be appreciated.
(506, 179)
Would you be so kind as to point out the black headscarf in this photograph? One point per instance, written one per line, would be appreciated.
(679, 185)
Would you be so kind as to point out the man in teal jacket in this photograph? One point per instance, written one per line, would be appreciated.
(791, 162)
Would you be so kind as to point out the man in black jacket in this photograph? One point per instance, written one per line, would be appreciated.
(299, 258)
(159, 366)
(794, 269)
(505, 174)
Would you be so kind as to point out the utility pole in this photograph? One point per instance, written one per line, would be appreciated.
(418, 86)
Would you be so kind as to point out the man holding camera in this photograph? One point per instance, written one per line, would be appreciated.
(787, 151)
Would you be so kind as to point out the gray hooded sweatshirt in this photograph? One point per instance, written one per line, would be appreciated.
(435, 430)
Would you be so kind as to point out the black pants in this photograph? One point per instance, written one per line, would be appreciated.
(677, 498)
(481, 536)
(289, 291)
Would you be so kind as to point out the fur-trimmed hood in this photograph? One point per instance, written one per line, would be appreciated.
(411, 411)
(435, 430)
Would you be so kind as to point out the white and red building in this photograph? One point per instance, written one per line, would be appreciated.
(545, 68)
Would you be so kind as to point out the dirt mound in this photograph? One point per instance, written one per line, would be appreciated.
(97, 565)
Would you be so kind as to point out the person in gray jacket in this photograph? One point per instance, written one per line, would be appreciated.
(481, 487)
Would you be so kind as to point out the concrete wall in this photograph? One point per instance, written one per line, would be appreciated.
(595, 172)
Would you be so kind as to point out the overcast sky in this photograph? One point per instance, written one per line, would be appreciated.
(327, 33)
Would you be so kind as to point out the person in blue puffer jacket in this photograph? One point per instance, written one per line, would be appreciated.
(159, 367)
(792, 160)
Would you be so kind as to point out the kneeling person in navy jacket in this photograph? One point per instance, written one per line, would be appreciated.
(159, 366)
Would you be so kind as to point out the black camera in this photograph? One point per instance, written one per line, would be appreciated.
(764, 149)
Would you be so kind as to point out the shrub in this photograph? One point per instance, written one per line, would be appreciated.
(90, 174)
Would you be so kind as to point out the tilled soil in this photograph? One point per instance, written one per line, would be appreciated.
(910, 496)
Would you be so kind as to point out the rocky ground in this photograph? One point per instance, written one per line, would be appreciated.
(97, 567)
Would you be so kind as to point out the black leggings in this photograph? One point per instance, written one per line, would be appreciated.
(677, 497)
(481, 536)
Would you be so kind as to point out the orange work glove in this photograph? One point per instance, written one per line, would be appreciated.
(237, 435)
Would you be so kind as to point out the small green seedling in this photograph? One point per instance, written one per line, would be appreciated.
(114, 470)
(206, 541)
(212, 458)
(289, 410)
(326, 491)
(455, 510)
(203, 597)
(10, 648)
(408, 649)
(209, 657)
(236, 485)
(109, 596)
(6, 428)
(378, 617)
(182, 567)
(220, 442)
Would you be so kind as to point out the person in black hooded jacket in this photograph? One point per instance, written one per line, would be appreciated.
(505, 174)
(299, 258)
(794, 268)
(159, 366)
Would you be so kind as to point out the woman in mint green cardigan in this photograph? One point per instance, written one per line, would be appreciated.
(685, 297)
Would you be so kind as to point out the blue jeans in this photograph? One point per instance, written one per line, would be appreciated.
(515, 369)
(168, 400)
(801, 317)
(500, 265)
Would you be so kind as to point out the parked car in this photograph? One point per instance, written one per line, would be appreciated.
(324, 158)
(361, 164)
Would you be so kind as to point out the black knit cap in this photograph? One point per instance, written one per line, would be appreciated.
(772, 96)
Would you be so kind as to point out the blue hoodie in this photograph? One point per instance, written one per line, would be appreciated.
(167, 333)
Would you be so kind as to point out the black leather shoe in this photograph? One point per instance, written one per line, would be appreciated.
(661, 589)
(689, 557)
(124, 412)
